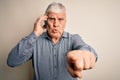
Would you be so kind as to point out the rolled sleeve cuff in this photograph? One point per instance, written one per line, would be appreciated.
(32, 37)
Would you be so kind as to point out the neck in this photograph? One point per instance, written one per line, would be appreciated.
(55, 40)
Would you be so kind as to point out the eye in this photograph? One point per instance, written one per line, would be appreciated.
(51, 19)
(61, 19)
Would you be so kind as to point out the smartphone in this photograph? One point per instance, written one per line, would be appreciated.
(44, 24)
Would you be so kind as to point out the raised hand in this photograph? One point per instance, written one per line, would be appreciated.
(38, 29)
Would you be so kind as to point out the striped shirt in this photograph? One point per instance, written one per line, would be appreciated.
(49, 59)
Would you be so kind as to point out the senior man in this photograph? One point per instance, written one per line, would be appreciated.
(56, 54)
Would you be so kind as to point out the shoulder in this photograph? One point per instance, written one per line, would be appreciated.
(74, 36)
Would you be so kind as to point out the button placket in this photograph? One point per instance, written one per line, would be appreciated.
(55, 62)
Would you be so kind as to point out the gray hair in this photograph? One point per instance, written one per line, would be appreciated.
(55, 7)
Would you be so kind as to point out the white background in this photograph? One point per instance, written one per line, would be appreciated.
(97, 21)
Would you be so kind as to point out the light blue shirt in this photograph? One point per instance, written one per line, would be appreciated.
(49, 60)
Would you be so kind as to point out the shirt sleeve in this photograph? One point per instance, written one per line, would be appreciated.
(79, 44)
(22, 51)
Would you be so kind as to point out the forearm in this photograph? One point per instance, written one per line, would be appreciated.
(79, 44)
(22, 51)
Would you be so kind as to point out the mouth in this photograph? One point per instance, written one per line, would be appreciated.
(54, 30)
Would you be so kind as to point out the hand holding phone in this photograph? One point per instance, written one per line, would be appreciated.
(38, 28)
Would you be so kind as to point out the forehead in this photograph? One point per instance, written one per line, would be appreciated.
(52, 14)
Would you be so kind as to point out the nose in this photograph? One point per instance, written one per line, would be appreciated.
(56, 23)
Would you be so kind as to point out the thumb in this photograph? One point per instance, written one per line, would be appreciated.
(78, 74)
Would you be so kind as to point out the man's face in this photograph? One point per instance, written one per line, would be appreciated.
(56, 24)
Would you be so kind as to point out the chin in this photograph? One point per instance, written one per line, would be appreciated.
(56, 35)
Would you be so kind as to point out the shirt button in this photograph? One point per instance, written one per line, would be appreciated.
(55, 78)
(54, 66)
(34, 37)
